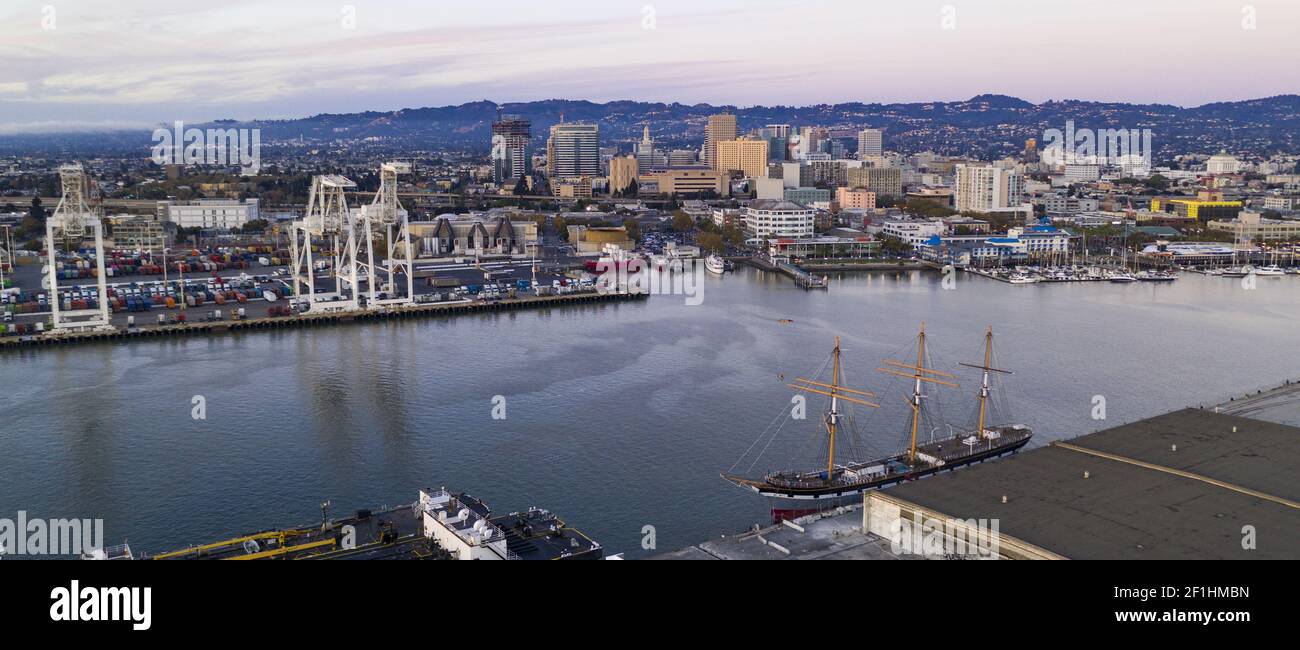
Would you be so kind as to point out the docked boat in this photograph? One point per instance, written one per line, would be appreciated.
(797, 492)
(1155, 276)
(1235, 272)
(1021, 278)
(1270, 271)
(1122, 278)
(714, 264)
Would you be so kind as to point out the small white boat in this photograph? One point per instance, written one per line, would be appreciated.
(1270, 271)
(1235, 272)
(1155, 276)
(1122, 277)
(1021, 278)
(714, 264)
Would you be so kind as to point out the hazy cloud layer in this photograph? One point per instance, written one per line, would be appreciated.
(92, 64)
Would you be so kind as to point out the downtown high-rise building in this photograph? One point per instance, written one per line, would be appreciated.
(778, 138)
(869, 143)
(748, 155)
(573, 150)
(647, 157)
(986, 188)
(720, 128)
(512, 149)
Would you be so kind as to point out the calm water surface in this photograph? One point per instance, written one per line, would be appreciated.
(618, 416)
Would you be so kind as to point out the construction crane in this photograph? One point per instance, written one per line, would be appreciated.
(385, 216)
(71, 219)
(328, 220)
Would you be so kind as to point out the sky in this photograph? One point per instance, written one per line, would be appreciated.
(95, 65)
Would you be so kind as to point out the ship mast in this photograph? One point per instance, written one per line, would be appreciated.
(920, 374)
(984, 385)
(834, 415)
(836, 392)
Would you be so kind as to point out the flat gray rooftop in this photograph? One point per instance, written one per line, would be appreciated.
(830, 537)
(1126, 511)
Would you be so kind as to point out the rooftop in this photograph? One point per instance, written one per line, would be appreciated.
(1177, 486)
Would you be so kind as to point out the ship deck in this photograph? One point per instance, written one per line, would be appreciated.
(389, 534)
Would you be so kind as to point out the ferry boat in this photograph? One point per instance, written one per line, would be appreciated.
(714, 264)
(802, 491)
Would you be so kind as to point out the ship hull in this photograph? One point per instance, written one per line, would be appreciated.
(788, 503)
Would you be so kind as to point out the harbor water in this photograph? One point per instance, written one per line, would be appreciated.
(618, 417)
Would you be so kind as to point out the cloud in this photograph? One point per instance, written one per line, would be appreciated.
(183, 59)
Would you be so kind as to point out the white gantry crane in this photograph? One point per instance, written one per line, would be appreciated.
(386, 216)
(71, 218)
(327, 219)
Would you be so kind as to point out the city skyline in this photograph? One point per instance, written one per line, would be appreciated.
(71, 66)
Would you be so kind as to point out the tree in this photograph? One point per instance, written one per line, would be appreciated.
(894, 246)
(256, 225)
(37, 211)
(711, 242)
(683, 222)
(633, 228)
(733, 235)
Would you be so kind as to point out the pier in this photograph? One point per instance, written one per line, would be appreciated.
(311, 320)
(802, 279)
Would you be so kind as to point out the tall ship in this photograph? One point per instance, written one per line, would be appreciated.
(801, 491)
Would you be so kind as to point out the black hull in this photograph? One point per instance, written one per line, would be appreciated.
(812, 497)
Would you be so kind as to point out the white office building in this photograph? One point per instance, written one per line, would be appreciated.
(869, 143)
(768, 219)
(913, 231)
(985, 188)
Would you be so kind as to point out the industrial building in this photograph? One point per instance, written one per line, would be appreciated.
(473, 234)
(221, 214)
(1192, 484)
(1198, 209)
(587, 239)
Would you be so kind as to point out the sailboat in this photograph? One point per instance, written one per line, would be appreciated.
(797, 492)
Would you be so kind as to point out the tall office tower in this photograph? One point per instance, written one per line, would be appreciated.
(985, 188)
(622, 173)
(646, 155)
(573, 150)
(720, 128)
(512, 150)
(869, 143)
(748, 155)
(778, 138)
